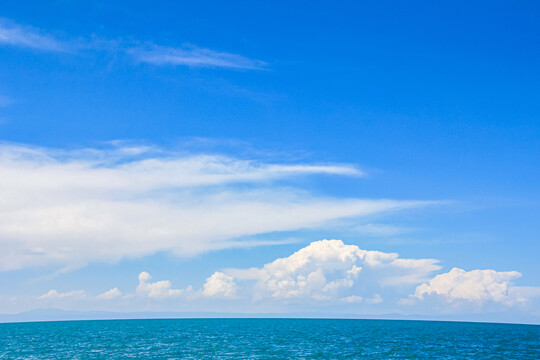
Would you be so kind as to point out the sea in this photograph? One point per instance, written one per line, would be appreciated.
(267, 339)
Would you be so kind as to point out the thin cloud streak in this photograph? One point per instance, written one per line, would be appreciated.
(55, 295)
(27, 37)
(194, 57)
(12, 34)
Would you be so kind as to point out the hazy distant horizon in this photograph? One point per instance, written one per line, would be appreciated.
(38, 315)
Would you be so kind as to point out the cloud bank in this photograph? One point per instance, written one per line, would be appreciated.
(332, 273)
(69, 208)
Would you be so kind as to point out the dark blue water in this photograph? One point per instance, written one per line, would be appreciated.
(267, 339)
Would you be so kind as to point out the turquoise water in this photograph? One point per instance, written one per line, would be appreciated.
(267, 339)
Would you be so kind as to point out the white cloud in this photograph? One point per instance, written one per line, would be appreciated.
(194, 57)
(330, 273)
(27, 37)
(330, 269)
(353, 299)
(110, 294)
(219, 285)
(477, 286)
(54, 294)
(376, 299)
(12, 34)
(158, 289)
(69, 208)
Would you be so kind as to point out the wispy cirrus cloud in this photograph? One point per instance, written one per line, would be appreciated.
(193, 56)
(72, 207)
(12, 34)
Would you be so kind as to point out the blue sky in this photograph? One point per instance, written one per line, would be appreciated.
(192, 139)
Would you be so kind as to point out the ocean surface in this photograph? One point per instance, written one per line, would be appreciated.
(267, 339)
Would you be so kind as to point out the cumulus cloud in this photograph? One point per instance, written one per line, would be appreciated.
(330, 269)
(477, 286)
(353, 299)
(71, 207)
(330, 272)
(54, 294)
(194, 57)
(15, 35)
(158, 289)
(219, 285)
(110, 294)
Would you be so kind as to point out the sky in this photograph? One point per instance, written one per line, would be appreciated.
(356, 158)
